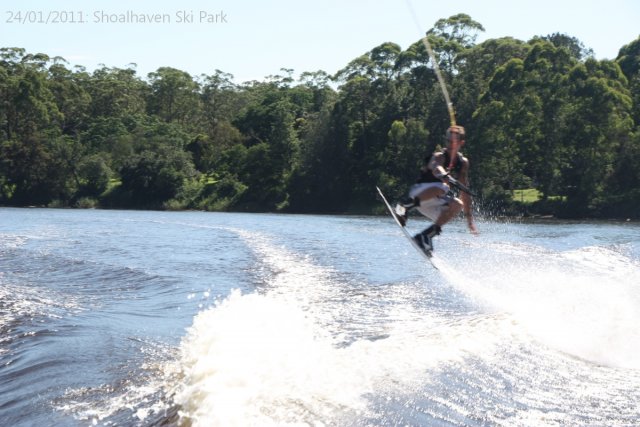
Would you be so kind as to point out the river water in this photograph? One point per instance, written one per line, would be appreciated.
(127, 318)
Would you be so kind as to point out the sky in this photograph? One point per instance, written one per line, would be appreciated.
(253, 39)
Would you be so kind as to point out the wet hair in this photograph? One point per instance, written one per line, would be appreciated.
(458, 129)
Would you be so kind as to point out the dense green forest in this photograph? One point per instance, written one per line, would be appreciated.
(542, 114)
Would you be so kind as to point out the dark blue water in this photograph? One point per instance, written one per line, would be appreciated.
(151, 318)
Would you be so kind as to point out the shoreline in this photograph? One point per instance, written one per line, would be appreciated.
(373, 212)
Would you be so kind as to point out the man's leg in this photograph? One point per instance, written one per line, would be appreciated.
(429, 193)
(425, 239)
(447, 212)
(454, 208)
(415, 199)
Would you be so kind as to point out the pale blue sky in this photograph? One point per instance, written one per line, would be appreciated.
(260, 37)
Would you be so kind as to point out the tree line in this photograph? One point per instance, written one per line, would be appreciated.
(540, 114)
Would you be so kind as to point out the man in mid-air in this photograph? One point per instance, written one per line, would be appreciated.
(432, 195)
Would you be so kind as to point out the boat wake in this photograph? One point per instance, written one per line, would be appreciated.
(276, 357)
(313, 346)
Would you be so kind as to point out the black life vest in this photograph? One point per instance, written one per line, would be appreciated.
(426, 175)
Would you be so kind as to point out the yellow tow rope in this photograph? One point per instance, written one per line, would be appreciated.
(427, 45)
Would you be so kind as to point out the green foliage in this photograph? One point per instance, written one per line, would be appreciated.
(222, 194)
(173, 96)
(629, 61)
(115, 92)
(153, 177)
(93, 175)
(542, 114)
(528, 195)
(87, 203)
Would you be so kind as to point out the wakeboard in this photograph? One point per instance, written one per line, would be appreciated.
(427, 255)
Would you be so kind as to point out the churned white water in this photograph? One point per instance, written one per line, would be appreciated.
(267, 357)
(201, 319)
